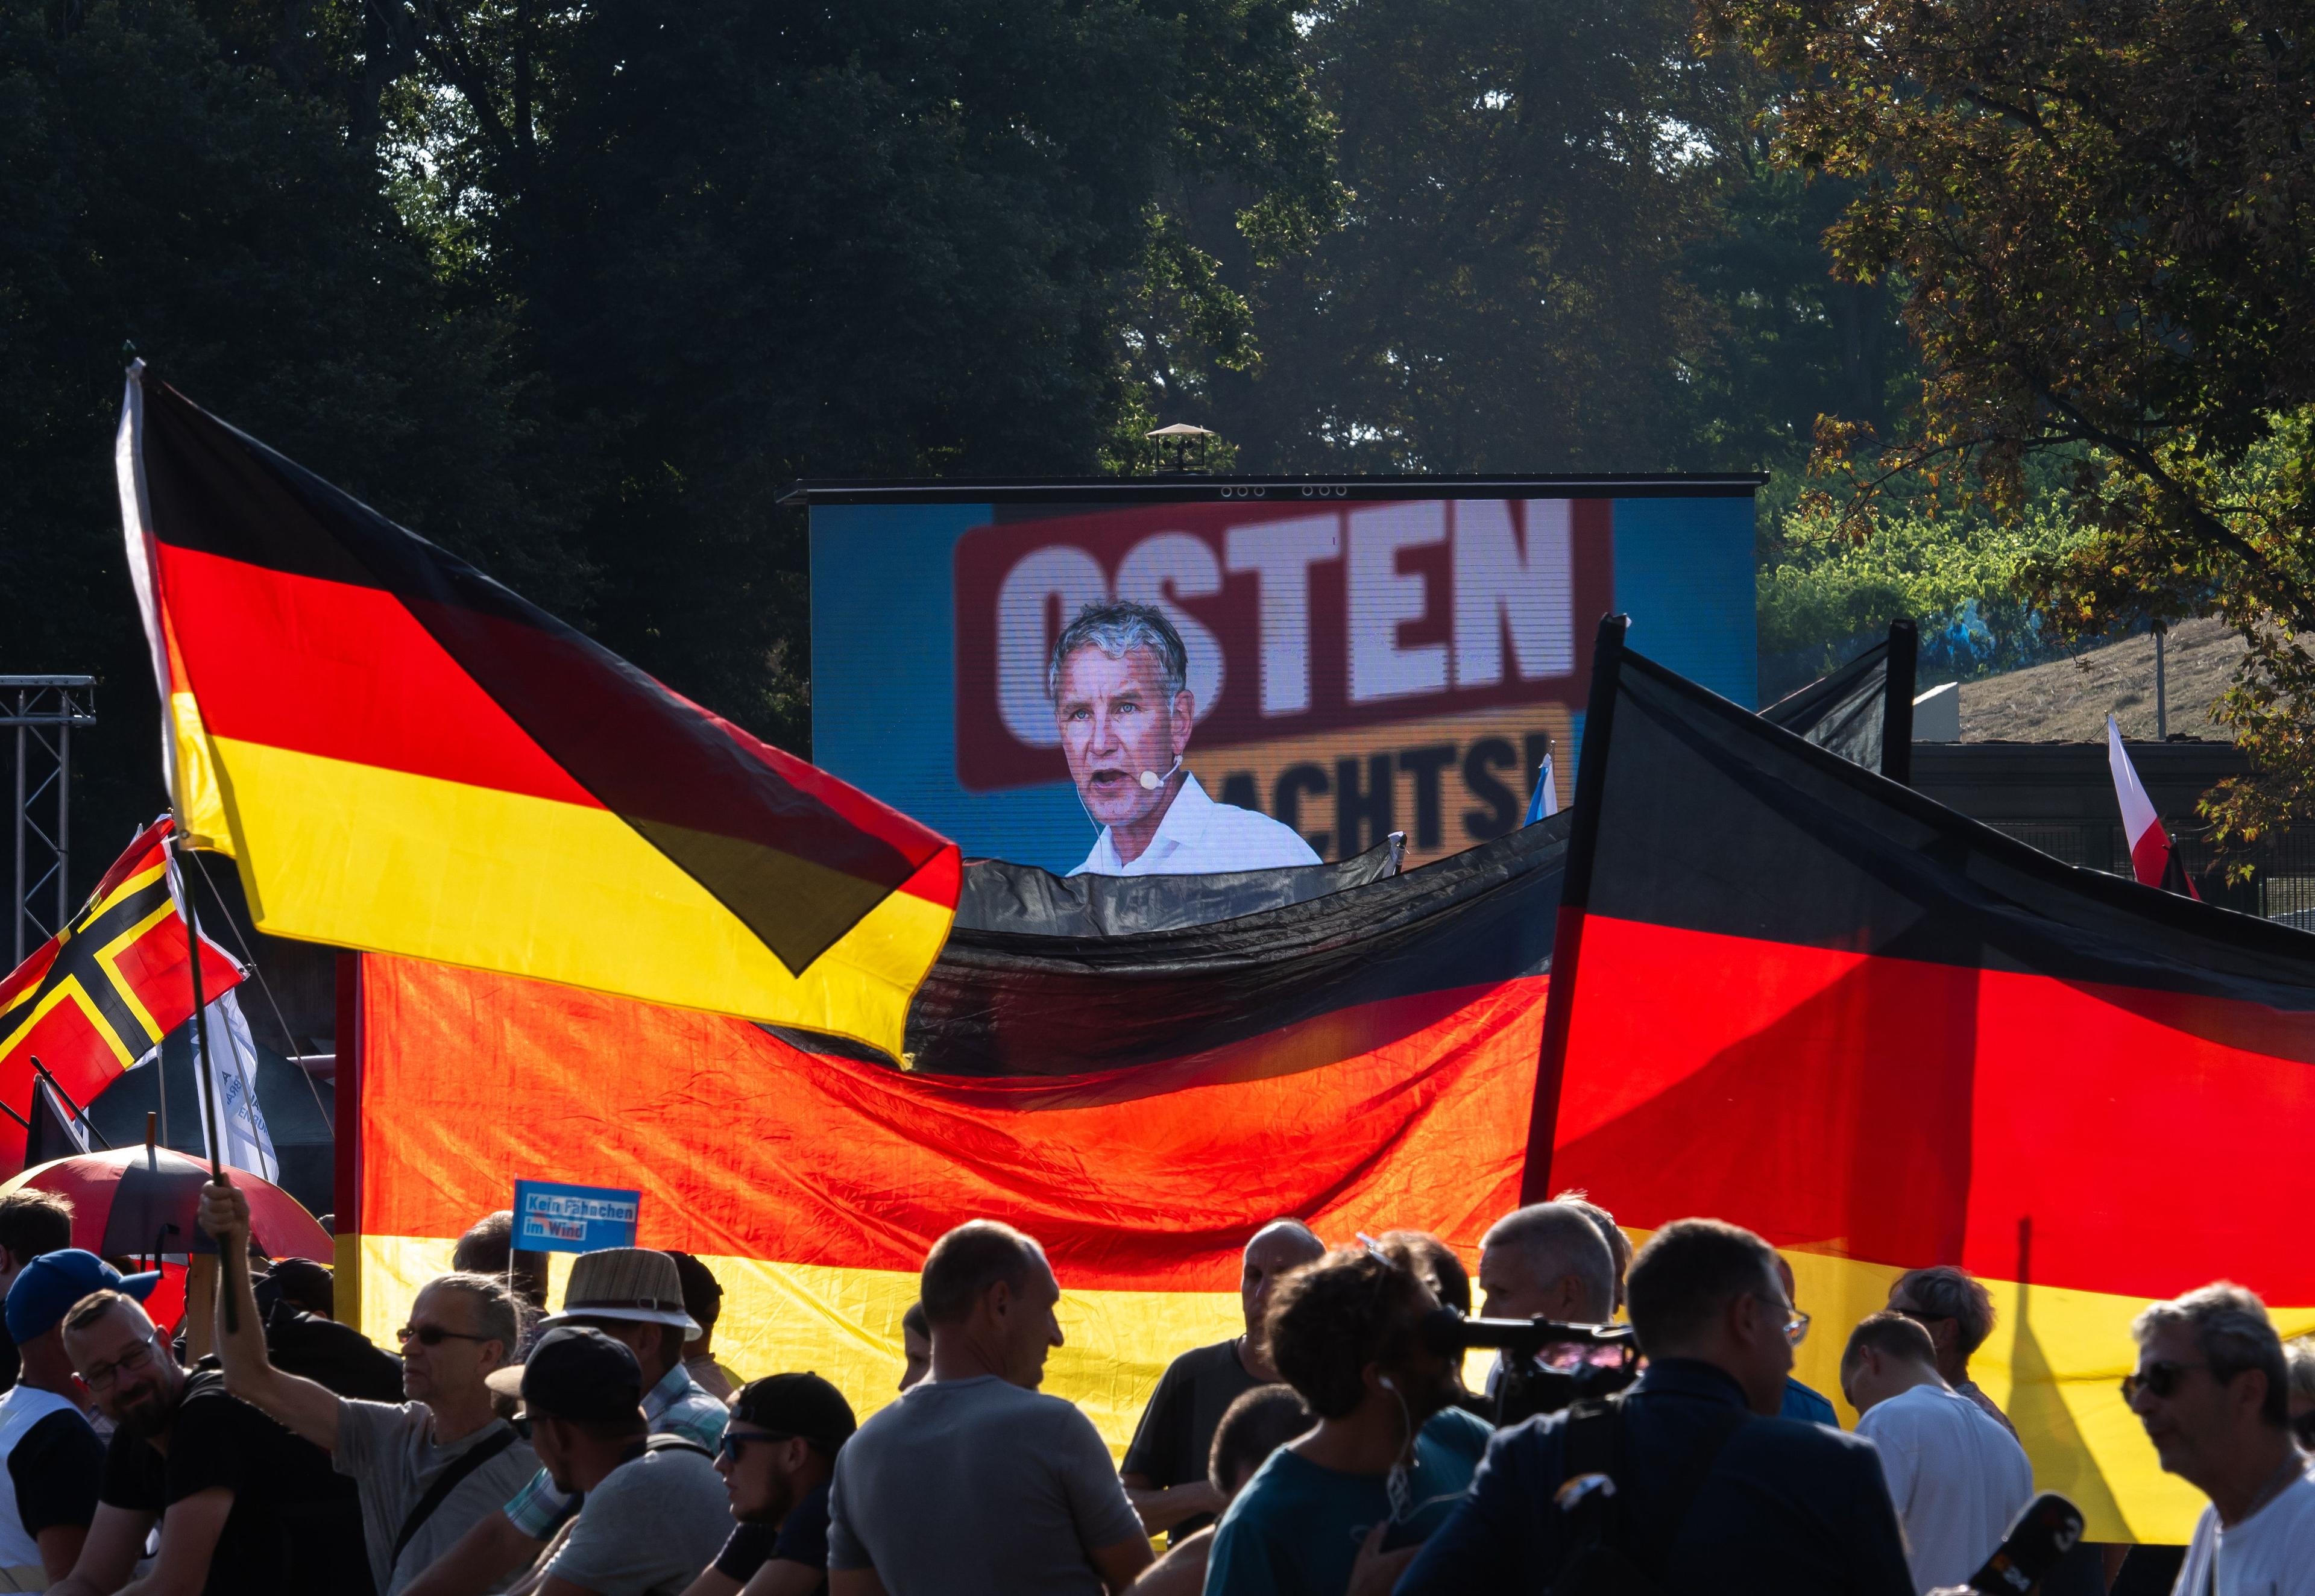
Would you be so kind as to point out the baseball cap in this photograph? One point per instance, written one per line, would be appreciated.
(44, 1291)
(801, 1404)
(575, 1372)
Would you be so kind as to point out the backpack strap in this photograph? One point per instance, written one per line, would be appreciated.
(446, 1482)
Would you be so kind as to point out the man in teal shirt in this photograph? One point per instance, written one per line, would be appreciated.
(1389, 1459)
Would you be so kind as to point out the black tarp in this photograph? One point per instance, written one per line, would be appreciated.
(1854, 711)
(1022, 899)
(1001, 1003)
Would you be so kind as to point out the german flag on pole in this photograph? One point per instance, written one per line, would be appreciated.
(1796, 996)
(1365, 1060)
(103, 992)
(402, 756)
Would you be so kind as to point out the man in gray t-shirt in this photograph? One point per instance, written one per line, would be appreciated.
(392, 1453)
(973, 1484)
(462, 1329)
(650, 1527)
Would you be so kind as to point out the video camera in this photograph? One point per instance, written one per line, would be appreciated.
(1546, 1366)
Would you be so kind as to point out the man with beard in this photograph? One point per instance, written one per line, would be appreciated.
(778, 1457)
(243, 1505)
(1345, 1505)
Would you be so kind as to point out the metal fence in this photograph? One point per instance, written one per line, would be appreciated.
(2282, 885)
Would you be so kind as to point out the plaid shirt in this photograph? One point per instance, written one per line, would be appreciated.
(677, 1405)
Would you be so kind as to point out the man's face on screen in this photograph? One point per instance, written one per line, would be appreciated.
(1117, 722)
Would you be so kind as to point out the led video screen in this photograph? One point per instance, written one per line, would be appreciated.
(1260, 674)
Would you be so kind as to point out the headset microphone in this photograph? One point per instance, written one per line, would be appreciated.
(2038, 1537)
(1150, 778)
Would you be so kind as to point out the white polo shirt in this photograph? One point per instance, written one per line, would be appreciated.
(1955, 1478)
(1199, 837)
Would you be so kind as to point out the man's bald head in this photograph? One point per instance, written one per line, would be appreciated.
(1547, 1260)
(1277, 1247)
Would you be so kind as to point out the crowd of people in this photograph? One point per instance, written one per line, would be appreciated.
(1331, 1448)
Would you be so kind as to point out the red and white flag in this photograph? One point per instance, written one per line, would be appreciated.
(2152, 857)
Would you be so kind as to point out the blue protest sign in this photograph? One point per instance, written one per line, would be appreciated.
(557, 1218)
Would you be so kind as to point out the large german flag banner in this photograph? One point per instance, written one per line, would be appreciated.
(1794, 995)
(1142, 1104)
(403, 755)
(102, 993)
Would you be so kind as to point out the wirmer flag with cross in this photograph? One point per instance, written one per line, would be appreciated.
(2153, 858)
(103, 992)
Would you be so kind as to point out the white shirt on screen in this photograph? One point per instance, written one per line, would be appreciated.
(2271, 1553)
(1955, 1478)
(1199, 837)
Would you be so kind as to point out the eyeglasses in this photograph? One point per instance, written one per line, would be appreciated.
(2160, 1377)
(1796, 1327)
(434, 1335)
(735, 1442)
(102, 1377)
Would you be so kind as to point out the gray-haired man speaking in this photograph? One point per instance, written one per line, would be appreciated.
(1120, 685)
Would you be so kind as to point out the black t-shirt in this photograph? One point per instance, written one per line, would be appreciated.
(1175, 1437)
(54, 1469)
(802, 1538)
(295, 1523)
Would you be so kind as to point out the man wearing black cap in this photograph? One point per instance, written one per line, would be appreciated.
(778, 1455)
(653, 1508)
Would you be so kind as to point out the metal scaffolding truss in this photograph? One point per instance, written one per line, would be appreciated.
(43, 710)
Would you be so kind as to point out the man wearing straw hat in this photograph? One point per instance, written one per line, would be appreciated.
(634, 1295)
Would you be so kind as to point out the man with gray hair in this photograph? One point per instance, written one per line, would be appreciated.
(2211, 1390)
(1120, 685)
(1166, 1468)
(1958, 1311)
(1549, 1261)
(428, 1469)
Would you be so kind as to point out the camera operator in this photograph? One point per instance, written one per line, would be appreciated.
(1710, 1491)
(1546, 1261)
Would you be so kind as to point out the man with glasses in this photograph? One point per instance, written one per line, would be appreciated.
(1710, 1491)
(2211, 1390)
(778, 1457)
(242, 1504)
(429, 1469)
(653, 1510)
(634, 1295)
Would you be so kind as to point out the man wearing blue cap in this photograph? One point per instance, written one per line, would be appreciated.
(55, 1460)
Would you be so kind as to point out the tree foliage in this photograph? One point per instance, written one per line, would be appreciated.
(2102, 216)
(153, 191)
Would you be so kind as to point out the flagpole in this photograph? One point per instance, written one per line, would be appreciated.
(87, 1127)
(227, 1283)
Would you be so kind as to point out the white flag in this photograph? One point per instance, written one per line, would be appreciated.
(231, 1075)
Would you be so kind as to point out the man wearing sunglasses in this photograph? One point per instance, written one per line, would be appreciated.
(427, 1468)
(776, 1459)
(1711, 1492)
(2211, 1390)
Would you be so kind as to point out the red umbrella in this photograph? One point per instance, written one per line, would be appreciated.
(136, 1200)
